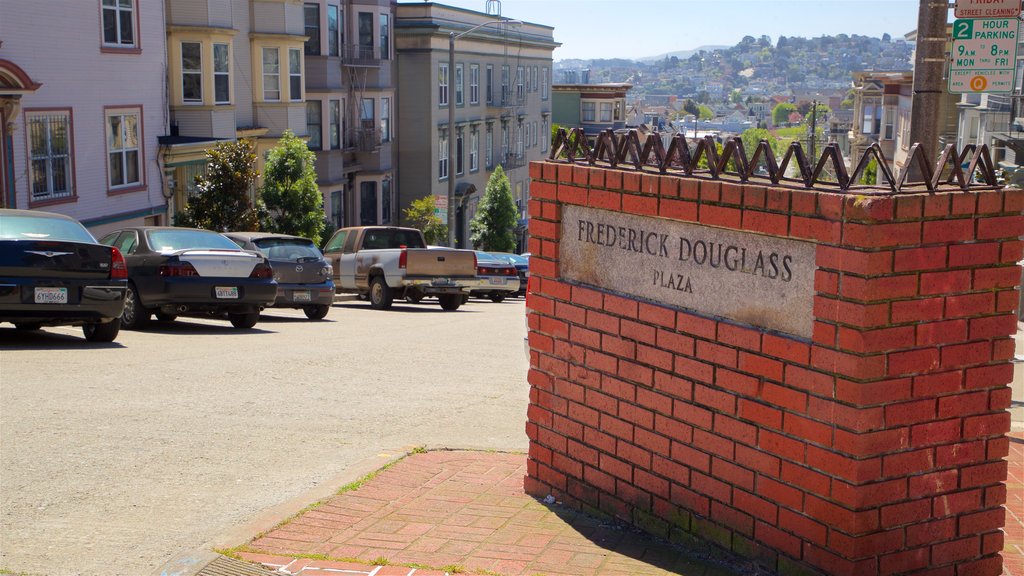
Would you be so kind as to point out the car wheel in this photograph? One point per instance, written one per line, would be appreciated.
(450, 301)
(316, 311)
(497, 297)
(27, 326)
(165, 317)
(134, 316)
(381, 295)
(102, 332)
(244, 320)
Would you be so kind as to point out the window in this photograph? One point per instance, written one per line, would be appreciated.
(519, 141)
(367, 203)
(335, 108)
(606, 111)
(504, 141)
(588, 111)
(366, 114)
(489, 83)
(271, 75)
(123, 149)
(459, 154)
(489, 148)
(333, 28)
(385, 38)
(536, 133)
(366, 35)
(618, 111)
(504, 85)
(385, 201)
(890, 123)
(545, 136)
(311, 13)
(520, 94)
(294, 74)
(474, 83)
(221, 74)
(119, 23)
(192, 72)
(442, 83)
(385, 119)
(459, 84)
(442, 157)
(314, 124)
(533, 79)
(544, 83)
(526, 137)
(474, 150)
(49, 151)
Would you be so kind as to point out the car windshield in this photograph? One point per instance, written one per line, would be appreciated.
(384, 238)
(42, 228)
(288, 248)
(172, 240)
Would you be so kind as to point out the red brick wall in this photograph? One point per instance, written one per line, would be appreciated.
(875, 448)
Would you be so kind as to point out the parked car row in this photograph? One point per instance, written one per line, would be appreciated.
(53, 272)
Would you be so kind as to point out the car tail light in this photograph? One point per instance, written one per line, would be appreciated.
(475, 263)
(403, 259)
(262, 270)
(178, 270)
(118, 267)
(327, 270)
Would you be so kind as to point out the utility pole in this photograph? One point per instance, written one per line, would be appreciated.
(929, 64)
(814, 131)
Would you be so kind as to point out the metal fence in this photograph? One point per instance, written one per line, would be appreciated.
(967, 169)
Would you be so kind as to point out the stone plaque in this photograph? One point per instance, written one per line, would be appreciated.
(750, 278)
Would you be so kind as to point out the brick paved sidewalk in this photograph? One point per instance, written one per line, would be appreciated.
(466, 511)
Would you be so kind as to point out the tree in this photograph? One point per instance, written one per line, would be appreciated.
(289, 190)
(420, 214)
(492, 226)
(705, 113)
(781, 112)
(752, 137)
(222, 201)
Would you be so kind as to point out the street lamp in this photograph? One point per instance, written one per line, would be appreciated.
(452, 37)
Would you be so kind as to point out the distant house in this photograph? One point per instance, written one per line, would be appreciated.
(592, 107)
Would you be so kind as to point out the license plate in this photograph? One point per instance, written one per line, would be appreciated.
(300, 295)
(51, 295)
(499, 281)
(441, 281)
(226, 292)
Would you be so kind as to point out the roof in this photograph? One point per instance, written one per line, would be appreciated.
(262, 235)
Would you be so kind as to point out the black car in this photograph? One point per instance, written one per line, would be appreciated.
(53, 273)
(303, 276)
(522, 264)
(174, 271)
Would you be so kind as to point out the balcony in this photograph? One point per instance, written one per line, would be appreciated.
(359, 56)
(363, 140)
(506, 99)
(512, 161)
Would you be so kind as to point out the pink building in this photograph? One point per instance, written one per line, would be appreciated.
(80, 112)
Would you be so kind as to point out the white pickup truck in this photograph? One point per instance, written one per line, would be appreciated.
(385, 262)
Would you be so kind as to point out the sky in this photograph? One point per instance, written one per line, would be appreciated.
(641, 28)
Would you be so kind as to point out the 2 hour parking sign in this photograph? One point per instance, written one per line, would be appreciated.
(983, 55)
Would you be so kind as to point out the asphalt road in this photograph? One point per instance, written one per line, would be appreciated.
(114, 458)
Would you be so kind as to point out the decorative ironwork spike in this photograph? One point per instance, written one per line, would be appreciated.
(984, 159)
(795, 150)
(734, 148)
(874, 150)
(832, 153)
(653, 153)
(764, 148)
(706, 147)
(949, 158)
(678, 155)
(606, 148)
(558, 147)
(916, 156)
(631, 145)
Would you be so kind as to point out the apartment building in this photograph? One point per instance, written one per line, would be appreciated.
(81, 108)
(235, 69)
(501, 90)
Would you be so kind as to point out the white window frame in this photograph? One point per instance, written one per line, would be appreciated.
(588, 111)
(544, 84)
(44, 122)
(119, 7)
(226, 73)
(520, 89)
(384, 24)
(315, 128)
(385, 119)
(442, 157)
(294, 75)
(124, 151)
(334, 36)
(460, 84)
(271, 75)
(474, 150)
(489, 148)
(460, 152)
(442, 83)
(489, 87)
(192, 72)
(474, 83)
(605, 111)
(334, 122)
(547, 135)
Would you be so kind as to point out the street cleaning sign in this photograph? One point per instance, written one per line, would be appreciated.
(983, 55)
(986, 9)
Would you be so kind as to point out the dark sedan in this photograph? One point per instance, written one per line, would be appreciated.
(303, 276)
(522, 264)
(174, 271)
(53, 272)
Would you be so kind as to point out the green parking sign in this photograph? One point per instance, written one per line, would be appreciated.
(963, 29)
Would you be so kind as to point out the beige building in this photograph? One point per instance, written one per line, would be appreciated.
(235, 70)
(501, 90)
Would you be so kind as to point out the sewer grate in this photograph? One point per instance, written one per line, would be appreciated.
(224, 566)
